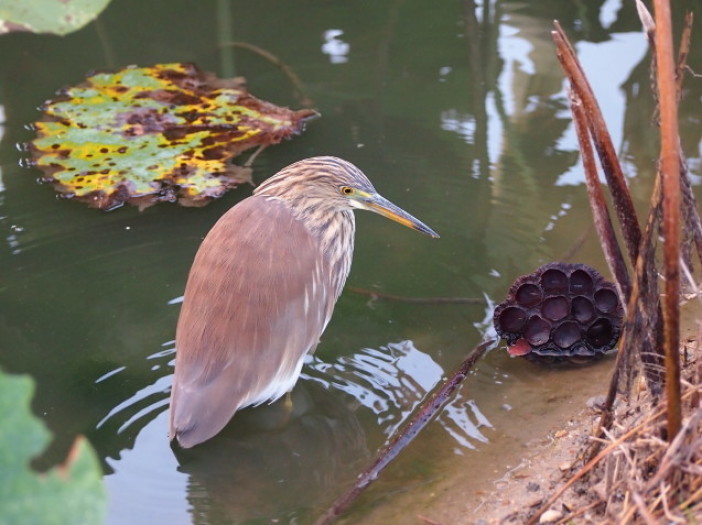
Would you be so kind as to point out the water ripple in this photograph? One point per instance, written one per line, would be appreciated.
(392, 381)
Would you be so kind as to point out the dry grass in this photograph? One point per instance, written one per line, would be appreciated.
(639, 477)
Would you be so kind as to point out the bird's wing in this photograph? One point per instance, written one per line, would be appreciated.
(258, 297)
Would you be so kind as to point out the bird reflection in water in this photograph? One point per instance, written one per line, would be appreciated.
(276, 463)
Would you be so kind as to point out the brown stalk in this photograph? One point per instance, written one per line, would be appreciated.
(638, 324)
(600, 214)
(670, 169)
(623, 203)
(589, 112)
(693, 224)
(691, 216)
(404, 437)
(570, 253)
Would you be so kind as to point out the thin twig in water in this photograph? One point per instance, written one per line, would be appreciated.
(415, 300)
(302, 96)
(426, 412)
(569, 254)
(428, 521)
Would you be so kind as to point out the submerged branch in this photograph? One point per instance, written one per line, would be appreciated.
(415, 300)
(302, 96)
(426, 412)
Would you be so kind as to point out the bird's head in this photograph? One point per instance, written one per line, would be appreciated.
(327, 184)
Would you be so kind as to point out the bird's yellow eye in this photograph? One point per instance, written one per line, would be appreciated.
(347, 190)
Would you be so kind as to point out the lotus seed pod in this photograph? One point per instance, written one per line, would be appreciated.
(560, 311)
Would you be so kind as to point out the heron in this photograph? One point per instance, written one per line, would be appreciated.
(262, 288)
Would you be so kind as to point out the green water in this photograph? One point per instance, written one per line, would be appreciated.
(457, 113)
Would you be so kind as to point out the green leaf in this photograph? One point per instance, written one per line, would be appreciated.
(48, 16)
(144, 135)
(69, 493)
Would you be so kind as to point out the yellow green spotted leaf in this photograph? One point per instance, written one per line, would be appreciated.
(143, 135)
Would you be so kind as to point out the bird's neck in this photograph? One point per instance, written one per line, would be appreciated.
(335, 230)
(337, 244)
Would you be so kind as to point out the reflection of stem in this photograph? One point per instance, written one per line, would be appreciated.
(415, 300)
(569, 254)
(105, 43)
(225, 34)
(301, 95)
(475, 36)
(387, 35)
(254, 155)
(404, 437)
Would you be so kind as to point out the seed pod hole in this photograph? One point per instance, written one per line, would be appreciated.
(528, 295)
(554, 281)
(580, 283)
(537, 331)
(600, 333)
(606, 301)
(555, 308)
(582, 309)
(512, 319)
(567, 334)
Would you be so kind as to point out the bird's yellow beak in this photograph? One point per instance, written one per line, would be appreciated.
(382, 206)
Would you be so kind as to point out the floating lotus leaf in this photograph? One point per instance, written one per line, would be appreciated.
(149, 134)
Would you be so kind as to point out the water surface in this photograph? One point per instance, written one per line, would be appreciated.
(457, 112)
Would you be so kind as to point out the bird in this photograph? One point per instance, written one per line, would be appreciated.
(262, 288)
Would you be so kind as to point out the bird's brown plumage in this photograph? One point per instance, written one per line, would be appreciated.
(262, 289)
(225, 364)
